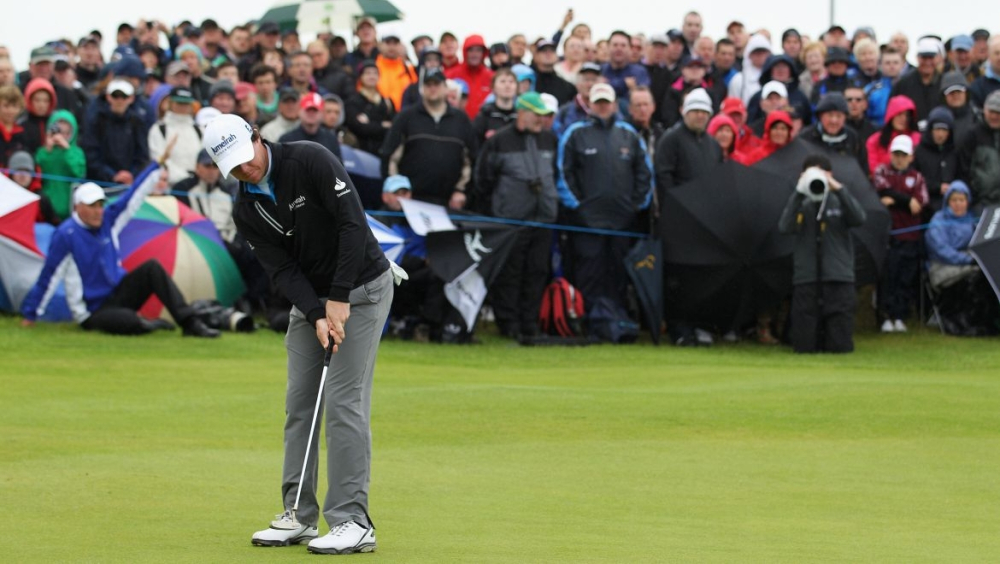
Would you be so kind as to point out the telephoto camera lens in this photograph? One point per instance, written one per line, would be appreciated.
(817, 187)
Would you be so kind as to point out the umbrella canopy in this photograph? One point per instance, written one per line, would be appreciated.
(724, 259)
(985, 246)
(365, 170)
(871, 239)
(189, 248)
(645, 268)
(316, 16)
(389, 240)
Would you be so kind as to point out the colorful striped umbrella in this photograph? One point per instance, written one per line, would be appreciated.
(189, 248)
(316, 16)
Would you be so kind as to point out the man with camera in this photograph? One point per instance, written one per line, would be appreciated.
(515, 179)
(820, 213)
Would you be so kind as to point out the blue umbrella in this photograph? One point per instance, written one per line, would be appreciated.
(365, 170)
(389, 240)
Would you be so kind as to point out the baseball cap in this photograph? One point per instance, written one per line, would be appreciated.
(222, 87)
(697, 99)
(545, 44)
(837, 29)
(694, 61)
(177, 67)
(391, 32)
(269, 28)
(123, 86)
(311, 101)
(181, 95)
(44, 54)
(980, 34)
(204, 158)
(88, 193)
(837, 55)
(963, 42)
(901, 144)
(289, 33)
(227, 140)
(928, 46)
(532, 102)
(205, 116)
(192, 32)
(774, 87)
(734, 105)
(89, 39)
(243, 89)
(550, 101)
(364, 21)
(130, 66)
(590, 67)
(395, 183)
(433, 75)
(832, 102)
(494, 49)
(864, 30)
(602, 91)
(675, 35)
(953, 81)
(288, 95)
(21, 160)
(659, 39)
(992, 102)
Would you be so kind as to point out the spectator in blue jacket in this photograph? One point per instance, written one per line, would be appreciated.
(619, 71)
(948, 237)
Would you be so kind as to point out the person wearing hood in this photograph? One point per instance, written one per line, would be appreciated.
(692, 76)
(429, 58)
(948, 237)
(747, 83)
(499, 56)
(781, 68)
(900, 120)
(831, 131)
(501, 112)
(778, 130)
(837, 63)
(547, 81)
(979, 155)
(954, 92)
(474, 72)
(158, 102)
(40, 102)
(579, 108)
(936, 157)
(737, 111)
(61, 157)
(983, 86)
(722, 128)
(178, 122)
(923, 86)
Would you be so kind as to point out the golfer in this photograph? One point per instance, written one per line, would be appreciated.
(301, 215)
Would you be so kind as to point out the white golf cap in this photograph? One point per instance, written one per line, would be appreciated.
(902, 144)
(929, 46)
(602, 91)
(205, 117)
(88, 193)
(551, 102)
(774, 87)
(123, 86)
(227, 140)
(697, 99)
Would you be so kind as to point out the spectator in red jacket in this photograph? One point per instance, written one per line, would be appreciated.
(900, 119)
(777, 133)
(474, 72)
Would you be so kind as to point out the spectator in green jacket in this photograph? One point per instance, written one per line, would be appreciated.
(60, 160)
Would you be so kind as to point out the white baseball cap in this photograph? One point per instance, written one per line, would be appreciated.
(205, 117)
(88, 193)
(551, 102)
(227, 140)
(902, 144)
(774, 87)
(123, 86)
(602, 91)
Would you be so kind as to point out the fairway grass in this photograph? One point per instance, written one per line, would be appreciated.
(164, 449)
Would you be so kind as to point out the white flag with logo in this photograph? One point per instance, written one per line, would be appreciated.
(425, 218)
(467, 293)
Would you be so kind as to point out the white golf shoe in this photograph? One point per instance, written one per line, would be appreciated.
(283, 532)
(345, 538)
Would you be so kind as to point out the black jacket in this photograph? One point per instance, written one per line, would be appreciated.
(491, 119)
(516, 175)
(552, 83)
(848, 143)
(364, 119)
(979, 164)
(115, 142)
(683, 155)
(938, 164)
(312, 238)
(435, 155)
(323, 136)
(925, 96)
(842, 212)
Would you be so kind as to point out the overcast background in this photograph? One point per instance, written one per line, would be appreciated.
(43, 20)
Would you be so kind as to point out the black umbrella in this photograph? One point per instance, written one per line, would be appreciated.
(451, 253)
(871, 239)
(985, 245)
(645, 268)
(724, 259)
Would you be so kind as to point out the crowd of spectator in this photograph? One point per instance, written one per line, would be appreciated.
(571, 128)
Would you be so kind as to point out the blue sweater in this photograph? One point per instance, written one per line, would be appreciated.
(88, 259)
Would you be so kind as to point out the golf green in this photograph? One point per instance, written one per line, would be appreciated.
(165, 449)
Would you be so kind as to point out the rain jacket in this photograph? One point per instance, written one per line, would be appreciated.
(938, 163)
(949, 235)
(682, 155)
(605, 175)
(841, 212)
(395, 75)
(36, 125)
(88, 260)
(515, 175)
(979, 163)
(69, 163)
(723, 120)
(879, 154)
(796, 99)
(115, 142)
(479, 78)
(902, 186)
(767, 147)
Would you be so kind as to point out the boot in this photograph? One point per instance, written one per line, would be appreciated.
(195, 327)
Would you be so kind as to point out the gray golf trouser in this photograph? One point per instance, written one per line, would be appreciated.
(347, 399)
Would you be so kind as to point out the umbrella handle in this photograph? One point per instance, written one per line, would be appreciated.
(169, 149)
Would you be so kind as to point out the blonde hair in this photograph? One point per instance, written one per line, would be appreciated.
(864, 44)
(12, 95)
(813, 46)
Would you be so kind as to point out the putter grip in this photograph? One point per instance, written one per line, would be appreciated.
(329, 352)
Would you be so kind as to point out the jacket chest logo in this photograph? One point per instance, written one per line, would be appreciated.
(910, 182)
(590, 151)
(298, 203)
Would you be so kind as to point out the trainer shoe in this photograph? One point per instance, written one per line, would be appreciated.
(283, 532)
(899, 326)
(346, 538)
(887, 326)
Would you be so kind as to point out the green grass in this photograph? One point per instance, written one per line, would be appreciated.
(163, 449)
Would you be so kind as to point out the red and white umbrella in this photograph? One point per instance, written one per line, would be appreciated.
(20, 258)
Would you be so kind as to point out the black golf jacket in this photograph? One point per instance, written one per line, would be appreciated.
(312, 236)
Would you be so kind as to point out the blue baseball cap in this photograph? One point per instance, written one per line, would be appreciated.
(395, 183)
(963, 42)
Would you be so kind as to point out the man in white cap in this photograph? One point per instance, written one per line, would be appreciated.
(605, 180)
(923, 86)
(84, 254)
(301, 215)
(683, 154)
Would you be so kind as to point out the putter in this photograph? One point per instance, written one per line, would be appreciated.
(294, 523)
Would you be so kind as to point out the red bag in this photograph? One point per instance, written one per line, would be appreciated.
(562, 310)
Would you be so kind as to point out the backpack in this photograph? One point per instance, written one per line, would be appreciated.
(608, 321)
(562, 310)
